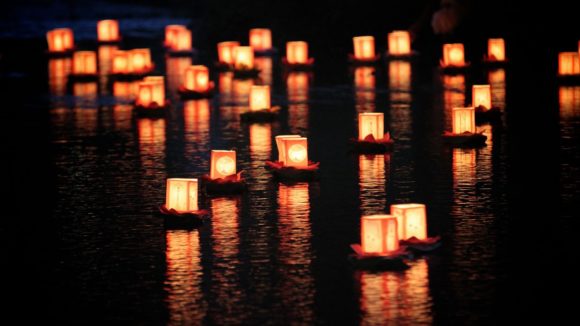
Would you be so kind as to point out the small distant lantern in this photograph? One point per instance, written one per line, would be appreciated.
(463, 120)
(223, 164)
(60, 40)
(371, 123)
(226, 52)
(411, 220)
(295, 151)
(260, 39)
(196, 78)
(85, 63)
(181, 195)
(453, 55)
(399, 43)
(139, 60)
(568, 63)
(243, 58)
(151, 91)
(182, 41)
(379, 234)
(481, 96)
(259, 97)
(171, 35)
(364, 47)
(120, 62)
(496, 49)
(280, 145)
(297, 52)
(108, 30)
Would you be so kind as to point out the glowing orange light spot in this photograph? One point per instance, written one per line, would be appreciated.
(261, 39)
(453, 55)
(379, 234)
(364, 47)
(243, 57)
(85, 62)
(223, 163)
(259, 97)
(496, 49)
(181, 194)
(399, 43)
(226, 52)
(197, 78)
(371, 123)
(568, 63)
(297, 52)
(60, 40)
(108, 30)
(463, 120)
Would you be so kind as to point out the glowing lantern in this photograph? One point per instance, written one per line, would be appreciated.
(399, 43)
(139, 60)
(496, 49)
(182, 40)
(84, 63)
(171, 35)
(243, 57)
(568, 63)
(463, 120)
(261, 39)
(280, 145)
(197, 78)
(120, 62)
(181, 194)
(108, 30)
(297, 52)
(60, 40)
(226, 52)
(151, 91)
(379, 234)
(259, 97)
(453, 55)
(371, 123)
(411, 220)
(295, 151)
(364, 47)
(223, 164)
(481, 96)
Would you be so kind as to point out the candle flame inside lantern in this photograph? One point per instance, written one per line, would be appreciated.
(197, 78)
(496, 49)
(84, 62)
(411, 220)
(181, 195)
(379, 234)
(243, 58)
(568, 63)
(226, 52)
(371, 124)
(453, 55)
(297, 52)
(261, 39)
(399, 43)
(463, 120)
(259, 97)
(60, 40)
(223, 164)
(364, 47)
(108, 30)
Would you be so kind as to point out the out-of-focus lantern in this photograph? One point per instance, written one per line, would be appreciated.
(139, 60)
(85, 63)
(399, 43)
(181, 40)
(243, 58)
(197, 79)
(226, 52)
(120, 62)
(181, 195)
(295, 151)
(379, 234)
(481, 96)
(371, 123)
(364, 47)
(568, 63)
(60, 40)
(108, 30)
(496, 49)
(453, 55)
(280, 145)
(223, 164)
(171, 35)
(411, 220)
(297, 52)
(463, 120)
(151, 91)
(260, 39)
(259, 97)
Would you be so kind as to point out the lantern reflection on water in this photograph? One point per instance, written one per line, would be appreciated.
(364, 48)
(569, 98)
(181, 195)
(264, 65)
(496, 79)
(259, 97)
(243, 58)
(226, 52)
(85, 63)
(463, 120)
(496, 49)
(223, 164)
(379, 234)
(196, 120)
(400, 83)
(260, 143)
(399, 43)
(568, 63)
(108, 30)
(58, 70)
(411, 220)
(481, 96)
(60, 40)
(453, 55)
(297, 84)
(372, 180)
(260, 39)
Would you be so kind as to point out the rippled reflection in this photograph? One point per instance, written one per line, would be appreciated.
(105, 58)
(373, 182)
(400, 84)
(175, 68)
(58, 71)
(126, 90)
(85, 94)
(569, 97)
(364, 83)
(453, 95)
(298, 86)
(196, 119)
(226, 86)
(152, 146)
(241, 90)
(122, 117)
(496, 79)
(264, 64)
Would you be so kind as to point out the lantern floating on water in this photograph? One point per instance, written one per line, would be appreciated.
(463, 128)
(243, 58)
(261, 40)
(453, 55)
(293, 163)
(60, 40)
(364, 49)
(226, 52)
(399, 43)
(181, 195)
(379, 234)
(259, 97)
(140, 61)
(196, 82)
(568, 64)
(297, 54)
(108, 31)
(496, 50)
(481, 96)
(371, 135)
(295, 151)
(151, 93)
(177, 38)
(223, 164)
(85, 63)
(411, 220)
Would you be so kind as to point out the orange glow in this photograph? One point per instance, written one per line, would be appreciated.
(226, 52)
(241, 89)
(181, 194)
(60, 40)
(453, 55)
(84, 62)
(151, 131)
(453, 93)
(280, 144)
(151, 90)
(297, 52)
(175, 68)
(177, 38)
(411, 220)
(264, 65)
(569, 98)
(371, 123)
(260, 140)
(295, 151)
(481, 95)
(364, 77)
(120, 62)
(260, 39)
(139, 60)
(86, 90)
(108, 30)
(399, 43)
(125, 89)
(463, 120)
(243, 58)
(58, 70)
(197, 78)
(496, 49)
(568, 63)
(223, 163)
(379, 234)
(105, 57)
(496, 79)
(196, 115)
(364, 47)
(373, 171)
(400, 75)
(297, 84)
(259, 97)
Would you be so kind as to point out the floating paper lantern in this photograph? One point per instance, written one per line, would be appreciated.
(181, 195)
(171, 35)
(181, 40)
(568, 63)
(371, 123)
(243, 58)
(463, 120)
(120, 62)
(379, 234)
(295, 151)
(399, 43)
(411, 220)
(226, 52)
(453, 55)
(280, 145)
(196, 79)
(496, 49)
(151, 91)
(259, 97)
(297, 52)
(60, 40)
(139, 60)
(364, 47)
(85, 63)
(108, 30)
(481, 96)
(260, 39)
(223, 164)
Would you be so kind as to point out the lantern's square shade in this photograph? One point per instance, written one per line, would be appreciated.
(411, 220)
(453, 54)
(226, 51)
(364, 47)
(181, 194)
(85, 62)
(243, 57)
(295, 151)
(496, 49)
(172, 33)
(280, 146)
(568, 63)
(481, 96)
(399, 43)
(196, 78)
(60, 40)
(371, 123)
(261, 39)
(463, 120)
(223, 163)
(108, 30)
(259, 97)
(379, 234)
(297, 52)
(151, 90)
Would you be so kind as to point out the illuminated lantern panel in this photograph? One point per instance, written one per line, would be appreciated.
(379, 234)
(371, 123)
(481, 96)
(281, 146)
(243, 57)
(223, 164)
(568, 63)
(197, 78)
(120, 62)
(364, 47)
(411, 220)
(171, 34)
(260, 39)
(453, 54)
(151, 90)
(259, 97)
(108, 30)
(84, 62)
(182, 41)
(463, 120)
(297, 52)
(139, 60)
(60, 40)
(158, 88)
(496, 49)
(399, 43)
(226, 52)
(181, 194)
(295, 151)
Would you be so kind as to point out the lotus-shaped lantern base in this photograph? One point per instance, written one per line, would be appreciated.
(265, 53)
(292, 173)
(298, 66)
(249, 73)
(152, 110)
(129, 76)
(465, 139)
(408, 56)
(265, 115)
(363, 62)
(484, 115)
(233, 184)
(421, 246)
(176, 220)
(453, 69)
(394, 260)
(187, 94)
(370, 145)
